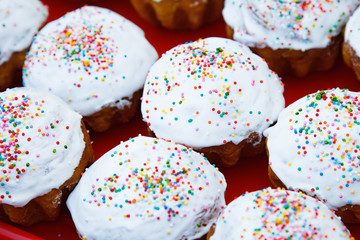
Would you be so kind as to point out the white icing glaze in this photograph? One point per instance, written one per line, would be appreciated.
(352, 31)
(147, 188)
(91, 57)
(210, 92)
(314, 146)
(41, 143)
(278, 214)
(19, 21)
(299, 25)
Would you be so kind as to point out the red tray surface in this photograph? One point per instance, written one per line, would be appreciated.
(248, 175)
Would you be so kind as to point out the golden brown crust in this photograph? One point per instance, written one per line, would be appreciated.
(349, 213)
(351, 58)
(296, 62)
(179, 14)
(47, 207)
(107, 116)
(211, 232)
(228, 154)
(11, 71)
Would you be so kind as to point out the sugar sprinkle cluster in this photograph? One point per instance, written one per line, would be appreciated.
(195, 87)
(81, 46)
(17, 114)
(148, 183)
(279, 214)
(165, 186)
(330, 120)
(321, 154)
(298, 24)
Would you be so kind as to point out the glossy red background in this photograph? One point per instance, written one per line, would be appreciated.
(248, 175)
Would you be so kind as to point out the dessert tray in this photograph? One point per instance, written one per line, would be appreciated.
(249, 174)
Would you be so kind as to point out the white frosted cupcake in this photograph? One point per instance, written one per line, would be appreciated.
(19, 21)
(314, 147)
(44, 147)
(294, 37)
(95, 60)
(278, 214)
(214, 95)
(147, 188)
(351, 45)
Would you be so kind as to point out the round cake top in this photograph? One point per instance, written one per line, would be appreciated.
(278, 214)
(147, 188)
(300, 25)
(210, 92)
(19, 21)
(41, 143)
(315, 147)
(352, 31)
(91, 57)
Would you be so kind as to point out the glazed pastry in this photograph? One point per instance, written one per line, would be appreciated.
(214, 95)
(293, 36)
(278, 214)
(44, 148)
(95, 60)
(314, 148)
(19, 21)
(175, 14)
(147, 188)
(351, 45)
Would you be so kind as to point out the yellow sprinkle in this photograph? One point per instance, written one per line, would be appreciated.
(352, 191)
